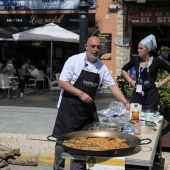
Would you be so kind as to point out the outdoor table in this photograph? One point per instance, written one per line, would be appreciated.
(142, 155)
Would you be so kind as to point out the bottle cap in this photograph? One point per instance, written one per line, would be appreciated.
(137, 121)
(127, 108)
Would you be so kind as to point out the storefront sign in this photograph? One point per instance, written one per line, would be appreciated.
(33, 20)
(105, 52)
(146, 17)
(43, 4)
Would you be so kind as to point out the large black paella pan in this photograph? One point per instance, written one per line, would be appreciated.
(131, 140)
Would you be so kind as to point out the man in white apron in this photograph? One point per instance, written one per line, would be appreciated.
(80, 78)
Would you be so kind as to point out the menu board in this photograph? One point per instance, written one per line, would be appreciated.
(105, 52)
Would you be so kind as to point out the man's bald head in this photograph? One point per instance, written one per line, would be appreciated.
(92, 46)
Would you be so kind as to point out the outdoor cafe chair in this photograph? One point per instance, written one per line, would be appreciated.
(57, 75)
(41, 77)
(32, 85)
(53, 85)
(8, 83)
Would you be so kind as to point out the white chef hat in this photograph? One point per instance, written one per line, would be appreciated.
(149, 42)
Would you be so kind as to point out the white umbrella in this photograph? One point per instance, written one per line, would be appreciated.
(49, 32)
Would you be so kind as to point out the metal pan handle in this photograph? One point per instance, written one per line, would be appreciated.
(148, 141)
(50, 136)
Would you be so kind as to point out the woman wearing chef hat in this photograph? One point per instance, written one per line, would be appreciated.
(147, 66)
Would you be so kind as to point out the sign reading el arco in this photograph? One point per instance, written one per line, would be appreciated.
(33, 20)
(146, 17)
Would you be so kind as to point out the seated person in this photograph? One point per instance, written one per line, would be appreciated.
(25, 67)
(42, 66)
(10, 72)
(32, 73)
(56, 67)
(9, 69)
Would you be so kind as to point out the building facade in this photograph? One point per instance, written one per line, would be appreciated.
(129, 21)
(120, 24)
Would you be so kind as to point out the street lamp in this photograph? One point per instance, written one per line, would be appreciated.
(83, 23)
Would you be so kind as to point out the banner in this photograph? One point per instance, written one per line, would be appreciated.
(36, 20)
(43, 4)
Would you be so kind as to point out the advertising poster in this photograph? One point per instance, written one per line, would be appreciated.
(105, 52)
(43, 4)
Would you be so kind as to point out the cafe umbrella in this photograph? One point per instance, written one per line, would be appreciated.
(49, 32)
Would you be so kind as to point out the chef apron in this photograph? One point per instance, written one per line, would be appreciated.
(150, 97)
(73, 114)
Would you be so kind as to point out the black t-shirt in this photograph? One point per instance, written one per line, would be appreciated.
(156, 64)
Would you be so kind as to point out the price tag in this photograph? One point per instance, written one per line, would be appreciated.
(105, 163)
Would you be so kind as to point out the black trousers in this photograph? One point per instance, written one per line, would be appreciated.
(59, 161)
(25, 81)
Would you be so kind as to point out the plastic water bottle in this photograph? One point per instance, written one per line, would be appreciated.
(133, 73)
(137, 129)
(127, 116)
(149, 115)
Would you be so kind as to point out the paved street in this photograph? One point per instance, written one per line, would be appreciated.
(26, 122)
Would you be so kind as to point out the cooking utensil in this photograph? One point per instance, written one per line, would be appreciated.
(132, 141)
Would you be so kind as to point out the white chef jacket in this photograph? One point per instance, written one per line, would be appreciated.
(73, 67)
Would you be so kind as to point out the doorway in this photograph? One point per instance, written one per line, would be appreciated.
(161, 32)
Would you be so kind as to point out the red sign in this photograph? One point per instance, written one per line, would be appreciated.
(146, 17)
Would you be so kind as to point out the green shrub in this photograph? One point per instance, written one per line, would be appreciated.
(164, 92)
(124, 86)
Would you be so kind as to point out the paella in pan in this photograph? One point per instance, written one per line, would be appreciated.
(71, 142)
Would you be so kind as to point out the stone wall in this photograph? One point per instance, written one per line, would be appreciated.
(122, 53)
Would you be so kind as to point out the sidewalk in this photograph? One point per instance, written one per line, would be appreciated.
(26, 128)
(26, 122)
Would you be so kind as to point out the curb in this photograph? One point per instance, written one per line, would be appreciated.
(32, 157)
(43, 158)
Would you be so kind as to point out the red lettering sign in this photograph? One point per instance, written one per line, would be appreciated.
(144, 17)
